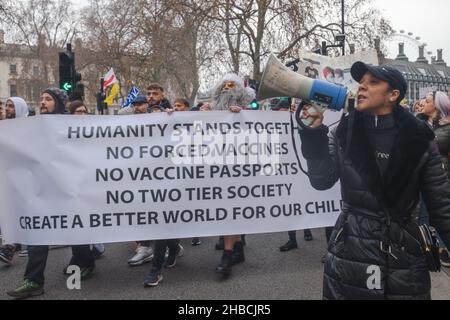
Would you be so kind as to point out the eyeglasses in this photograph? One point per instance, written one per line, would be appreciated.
(82, 111)
(229, 85)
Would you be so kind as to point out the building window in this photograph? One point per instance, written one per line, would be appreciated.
(35, 71)
(13, 69)
(13, 90)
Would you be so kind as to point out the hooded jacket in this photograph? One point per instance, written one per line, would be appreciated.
(239, 96)
(21, 107)
(376, 230)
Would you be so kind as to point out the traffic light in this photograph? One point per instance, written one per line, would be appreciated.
(66, 67)
(69, 78)
(254, 105)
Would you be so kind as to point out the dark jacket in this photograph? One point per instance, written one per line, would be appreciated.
(363, 227)
(164, 104)
(441, 128)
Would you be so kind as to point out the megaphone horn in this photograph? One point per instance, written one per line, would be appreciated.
(279, 81)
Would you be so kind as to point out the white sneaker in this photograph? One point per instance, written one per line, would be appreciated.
(23, 253)
(100, 247)
(143, 255)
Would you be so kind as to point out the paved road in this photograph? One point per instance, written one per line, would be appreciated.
(267, 274)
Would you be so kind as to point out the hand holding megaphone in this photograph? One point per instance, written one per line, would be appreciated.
(311, 116)
(280, 81)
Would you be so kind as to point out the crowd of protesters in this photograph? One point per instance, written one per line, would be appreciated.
(231, 94)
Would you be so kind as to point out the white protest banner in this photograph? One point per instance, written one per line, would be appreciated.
(100, 179)
(337, 69)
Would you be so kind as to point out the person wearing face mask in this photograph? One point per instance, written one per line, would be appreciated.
(384, 158)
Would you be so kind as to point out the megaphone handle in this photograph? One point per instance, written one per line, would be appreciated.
(313, 109)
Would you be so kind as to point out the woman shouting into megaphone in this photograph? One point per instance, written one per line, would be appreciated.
(384, 159)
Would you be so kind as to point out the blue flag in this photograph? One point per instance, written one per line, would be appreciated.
(134, 92)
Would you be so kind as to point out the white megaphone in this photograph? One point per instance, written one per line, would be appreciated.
(280, 81)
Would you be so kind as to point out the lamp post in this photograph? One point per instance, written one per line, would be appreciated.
(343, 26)
(340, 38)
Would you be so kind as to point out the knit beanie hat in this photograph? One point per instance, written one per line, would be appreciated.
(60, 97)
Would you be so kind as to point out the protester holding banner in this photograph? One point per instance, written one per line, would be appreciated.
(82, 255)
(78, 108)
(2, 111)
(157, 109)
(53, 102)
(182, 105)
(175, 250)
(230, 94)
(15, 108)
(285, 104)
(144, 250)
(157, 103)
(155, 97)
(384, 157)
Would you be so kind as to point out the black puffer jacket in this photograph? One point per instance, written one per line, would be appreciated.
(363, 226)
(441, 128)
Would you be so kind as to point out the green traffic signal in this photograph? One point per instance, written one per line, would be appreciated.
(254, 105)
(67, 86)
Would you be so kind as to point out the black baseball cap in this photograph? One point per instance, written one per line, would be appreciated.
(384, 73)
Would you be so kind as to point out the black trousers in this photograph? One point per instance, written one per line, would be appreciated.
(293, 234)
(160, 251)
(37, 261)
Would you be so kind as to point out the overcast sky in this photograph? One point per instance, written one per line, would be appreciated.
(429, 19)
